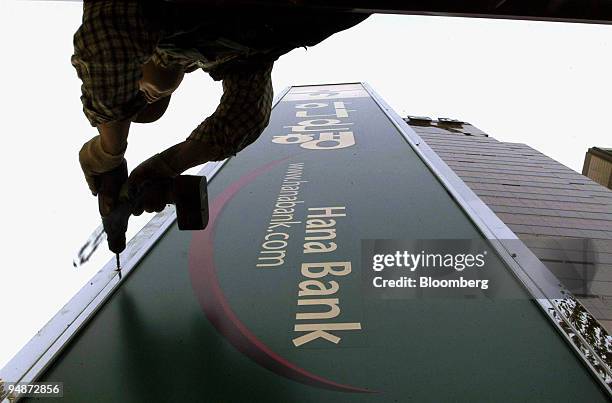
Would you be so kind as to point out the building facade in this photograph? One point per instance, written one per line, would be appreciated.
(598, 165)
(564, 217)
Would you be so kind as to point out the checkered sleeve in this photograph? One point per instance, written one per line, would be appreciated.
(109, 49)
(243, 112)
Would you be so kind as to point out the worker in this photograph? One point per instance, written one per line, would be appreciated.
(132, 54)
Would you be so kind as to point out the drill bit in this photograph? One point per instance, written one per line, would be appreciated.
(118, 265)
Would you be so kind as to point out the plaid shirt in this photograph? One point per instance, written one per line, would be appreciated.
(116, 39)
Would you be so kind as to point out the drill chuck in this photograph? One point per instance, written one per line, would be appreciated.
(187, 192)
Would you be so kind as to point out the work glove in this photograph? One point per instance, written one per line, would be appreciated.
(149, 184)
(105, 173)
(95, 162)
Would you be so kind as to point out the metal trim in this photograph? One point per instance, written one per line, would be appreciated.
(525, 265)
(36, 356)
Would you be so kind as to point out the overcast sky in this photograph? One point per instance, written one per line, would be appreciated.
(544, 84)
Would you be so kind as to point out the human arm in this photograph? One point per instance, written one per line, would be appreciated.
(110, 48)
(242, 115)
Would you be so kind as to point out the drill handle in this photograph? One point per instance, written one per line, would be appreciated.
(114, 222)
(187, 192)
(190, 196)
(110, 185)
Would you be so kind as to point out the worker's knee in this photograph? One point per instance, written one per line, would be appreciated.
(158, 82)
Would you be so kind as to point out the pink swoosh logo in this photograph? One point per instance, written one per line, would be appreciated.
(206, 286)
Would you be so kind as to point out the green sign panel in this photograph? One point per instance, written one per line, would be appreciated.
(269, 303)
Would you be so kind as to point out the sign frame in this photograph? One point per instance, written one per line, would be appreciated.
(44, 348)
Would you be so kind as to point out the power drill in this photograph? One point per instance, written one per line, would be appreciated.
(187, 192)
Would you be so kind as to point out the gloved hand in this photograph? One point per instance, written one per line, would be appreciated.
(96, 164)
(95, 161)
(150, 180)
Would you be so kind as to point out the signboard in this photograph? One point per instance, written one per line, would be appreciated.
(272, 302)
